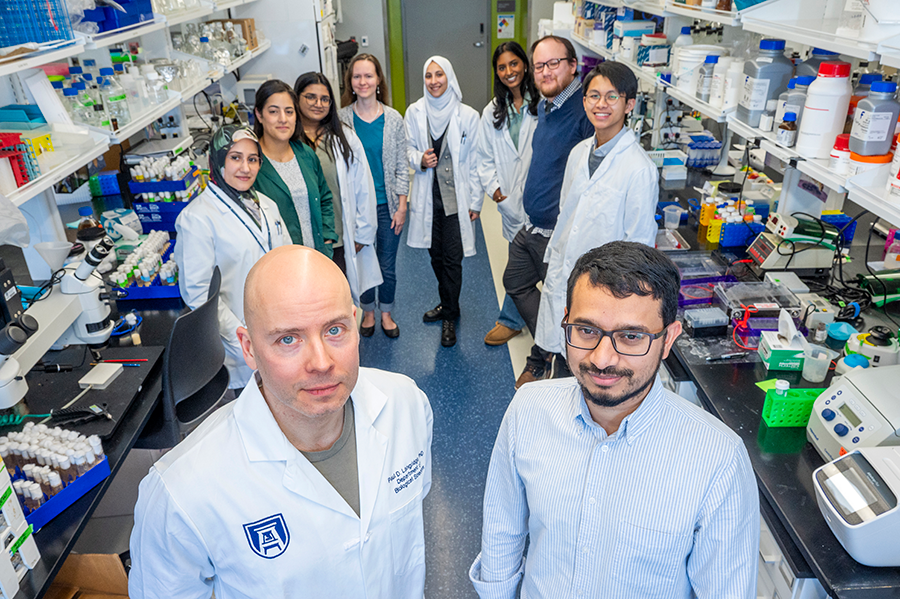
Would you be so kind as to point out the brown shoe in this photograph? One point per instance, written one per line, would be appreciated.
(529, 375)
(500, 334)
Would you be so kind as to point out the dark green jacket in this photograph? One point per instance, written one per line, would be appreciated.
(320, 208)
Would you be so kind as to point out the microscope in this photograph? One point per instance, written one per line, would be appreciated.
(74, 310)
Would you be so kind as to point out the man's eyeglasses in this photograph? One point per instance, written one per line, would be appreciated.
(551, 64)
(627, 343)
(594, 97)
(313, 99)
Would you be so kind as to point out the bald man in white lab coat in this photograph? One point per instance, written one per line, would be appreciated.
(311, 483)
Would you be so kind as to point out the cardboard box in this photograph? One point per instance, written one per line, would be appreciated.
(584, 28)
(248, 30)
(778, 356)
(90, 576)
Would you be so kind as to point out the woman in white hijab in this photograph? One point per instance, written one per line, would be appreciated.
(446, 193)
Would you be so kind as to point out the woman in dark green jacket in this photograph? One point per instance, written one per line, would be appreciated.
(290, 172)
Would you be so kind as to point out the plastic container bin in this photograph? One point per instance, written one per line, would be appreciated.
(794, 409)
(40, 22)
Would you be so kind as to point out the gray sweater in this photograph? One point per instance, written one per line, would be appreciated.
(393, 154)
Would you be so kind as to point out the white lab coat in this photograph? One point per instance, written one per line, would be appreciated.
(461, 137)
(501, 165)
(617, 204)
(199, 507)
(215, 231)
(359, 216)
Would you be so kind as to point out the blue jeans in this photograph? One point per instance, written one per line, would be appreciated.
(386, 243)
(509, 315)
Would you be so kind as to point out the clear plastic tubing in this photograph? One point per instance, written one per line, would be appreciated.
(825, 111)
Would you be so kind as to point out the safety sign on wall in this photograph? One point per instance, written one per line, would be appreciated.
(506, 27)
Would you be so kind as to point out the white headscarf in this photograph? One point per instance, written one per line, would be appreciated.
(439, 110)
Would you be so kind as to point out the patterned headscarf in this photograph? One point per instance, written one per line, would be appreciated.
(222, 141)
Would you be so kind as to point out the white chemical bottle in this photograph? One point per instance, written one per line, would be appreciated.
(825, 111)
(717, 88)
(734, 85)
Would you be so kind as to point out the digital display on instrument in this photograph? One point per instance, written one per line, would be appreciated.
(850, 415)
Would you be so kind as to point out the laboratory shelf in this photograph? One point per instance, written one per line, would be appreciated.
(230, 4)
(193, 90)
(723, 17)
(642, 75)
(236, 64)
(717, 114)
(123, 34)
(815, 168)
(62, 170)
(868, 191)
(805, 22)
(648, 6)
(41, 56)
(591, 46)
(147, 117)
(819, 170)
(183, 16)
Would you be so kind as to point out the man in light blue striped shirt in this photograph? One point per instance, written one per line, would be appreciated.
(625, 489)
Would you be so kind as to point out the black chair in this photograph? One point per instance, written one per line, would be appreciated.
(194, 375)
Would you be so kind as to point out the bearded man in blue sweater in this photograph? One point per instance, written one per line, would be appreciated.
(562, 124)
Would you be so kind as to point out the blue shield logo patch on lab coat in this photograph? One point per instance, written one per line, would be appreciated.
(268, 537)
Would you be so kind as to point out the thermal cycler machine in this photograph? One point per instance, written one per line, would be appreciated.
(861, 410)
(857, 495)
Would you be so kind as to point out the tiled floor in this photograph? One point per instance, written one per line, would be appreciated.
(469, 386)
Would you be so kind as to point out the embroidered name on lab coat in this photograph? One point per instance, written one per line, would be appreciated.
(409, 473)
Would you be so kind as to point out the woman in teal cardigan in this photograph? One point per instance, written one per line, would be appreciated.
(290, 173)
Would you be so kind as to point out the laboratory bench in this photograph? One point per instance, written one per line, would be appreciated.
(783, 460)
(57, 538)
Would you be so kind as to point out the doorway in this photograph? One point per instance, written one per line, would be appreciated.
(460, 32)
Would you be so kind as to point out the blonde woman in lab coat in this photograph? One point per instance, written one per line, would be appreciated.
(504, 152)
(446, 195)
(346, 169)
(231, 226)
(609, 193)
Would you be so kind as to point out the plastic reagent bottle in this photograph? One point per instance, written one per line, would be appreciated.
(734, 80)
(793, 99)
(115, 99)
(717, 88)
(874, 120)
(810, 66)
(825, 111)
(706, 76)
(766, 75)
(74, 106)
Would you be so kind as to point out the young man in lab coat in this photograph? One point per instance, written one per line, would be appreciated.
(311, 483)
(624, 489)
(609, 193)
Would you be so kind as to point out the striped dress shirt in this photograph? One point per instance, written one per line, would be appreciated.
(666, 507)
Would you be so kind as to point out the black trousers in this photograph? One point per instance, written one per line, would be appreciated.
(446, 253)
(525, 268)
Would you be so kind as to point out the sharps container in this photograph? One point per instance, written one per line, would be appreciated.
(766, 75)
